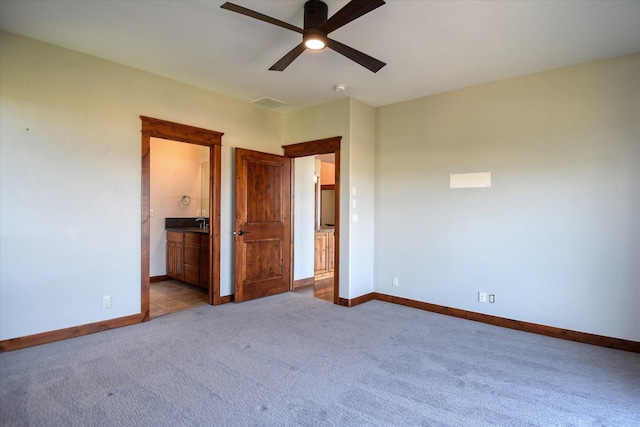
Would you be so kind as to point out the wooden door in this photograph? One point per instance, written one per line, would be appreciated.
(262, 225)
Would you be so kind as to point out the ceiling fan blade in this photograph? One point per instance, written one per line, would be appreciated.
(288, 58)
(353, 10)
(253, 14)
(355, 55)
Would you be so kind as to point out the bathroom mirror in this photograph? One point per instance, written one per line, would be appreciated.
(325, 206)
(325, 191)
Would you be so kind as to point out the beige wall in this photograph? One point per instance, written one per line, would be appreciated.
(361, 191)
(70, 179)
(354, 121)
(557, 237)
(325, 121)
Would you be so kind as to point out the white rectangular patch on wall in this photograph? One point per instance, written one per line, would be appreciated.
(470, 180)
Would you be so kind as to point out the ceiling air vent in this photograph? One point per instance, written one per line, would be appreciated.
(269, 103)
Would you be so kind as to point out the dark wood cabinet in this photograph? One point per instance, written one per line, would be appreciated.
(188, 258)
(192, 259)
(204, 261)
(175, 255)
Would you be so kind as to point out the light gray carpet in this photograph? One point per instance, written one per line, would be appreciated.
(295, 360)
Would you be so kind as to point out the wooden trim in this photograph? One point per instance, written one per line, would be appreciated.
(328, 187)
(325, 146)
(304, 283)
(292, 221)
(178, 132)
(215, 186)
(156, 279)
(226, 299)
(192, 135)
(582, 337)
(336, 231)
(62, 334)
(145, 228)
(550, 331)
(358, 300)
(311, 148)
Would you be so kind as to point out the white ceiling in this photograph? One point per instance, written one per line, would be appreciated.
(430, 46)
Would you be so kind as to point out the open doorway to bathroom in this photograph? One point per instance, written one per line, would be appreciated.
(179, 226)
(208, 272)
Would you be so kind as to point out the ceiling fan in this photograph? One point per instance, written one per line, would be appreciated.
(317, 27)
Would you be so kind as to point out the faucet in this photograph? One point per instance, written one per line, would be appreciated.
(203, 222)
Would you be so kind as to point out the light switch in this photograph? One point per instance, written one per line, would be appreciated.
(354, 218)
(353, 203)
(353, 191)
(151, 213)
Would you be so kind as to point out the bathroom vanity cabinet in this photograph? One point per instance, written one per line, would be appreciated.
(188, 257)
(324, 247)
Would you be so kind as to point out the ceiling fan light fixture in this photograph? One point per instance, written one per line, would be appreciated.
(314, 44)
(315, 41)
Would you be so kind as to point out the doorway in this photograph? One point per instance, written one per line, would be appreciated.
(263, 244)
(314, 225)
(315, 148)
(179, 226)
(191, 135)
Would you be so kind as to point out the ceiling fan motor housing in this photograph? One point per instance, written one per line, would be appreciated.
(315, 14)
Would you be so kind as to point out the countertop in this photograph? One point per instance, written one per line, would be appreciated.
(189, 230)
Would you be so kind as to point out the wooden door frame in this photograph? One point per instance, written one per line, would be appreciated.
(311, 148)
(191, 135)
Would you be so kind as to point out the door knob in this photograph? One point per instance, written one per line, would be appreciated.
(240, 233)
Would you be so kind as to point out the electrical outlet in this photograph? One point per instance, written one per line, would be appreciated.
(482, 297)
(106, 301)
(394, 282)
